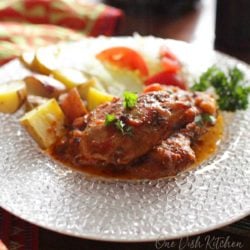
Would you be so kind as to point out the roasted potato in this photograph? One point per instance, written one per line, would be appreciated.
(69, 77)
(72, 105)
(27, 59)
(45, 60)
(84, 88)
(33, 101)
(44, 86)
(96, 97)
(45, 123)
(12, 96)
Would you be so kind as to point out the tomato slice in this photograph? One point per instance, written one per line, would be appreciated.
(167, 78)
(169, 61)
(124, 57)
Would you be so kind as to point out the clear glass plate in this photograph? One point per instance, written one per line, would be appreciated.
(48, 194)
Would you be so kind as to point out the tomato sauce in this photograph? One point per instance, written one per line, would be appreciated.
(204, 148)
(208, 143)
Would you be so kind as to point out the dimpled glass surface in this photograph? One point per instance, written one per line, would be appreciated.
(46, 193)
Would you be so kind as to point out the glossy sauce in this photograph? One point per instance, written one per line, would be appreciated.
(204, 148)
(208, 143)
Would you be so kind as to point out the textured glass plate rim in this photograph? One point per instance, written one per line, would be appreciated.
(145, 237)
(154, 239)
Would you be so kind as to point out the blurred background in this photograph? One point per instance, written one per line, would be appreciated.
(221, 24)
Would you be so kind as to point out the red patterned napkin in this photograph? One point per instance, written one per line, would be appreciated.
(16, 38)
(16, 233)
(33, 23)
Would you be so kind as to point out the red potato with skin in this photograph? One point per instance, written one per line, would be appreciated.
(45, 86)
(72, 105)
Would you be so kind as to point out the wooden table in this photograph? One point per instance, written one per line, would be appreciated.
(197, 26)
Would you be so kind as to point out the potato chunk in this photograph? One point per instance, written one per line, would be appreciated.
(44, 86)
(34, 101)
(45, 60)
(84, 88)
(27, 59)
(45, 123)
(96, 97)
(69, 77)
(12, 96)
(72, 105)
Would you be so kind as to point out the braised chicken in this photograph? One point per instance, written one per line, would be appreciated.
(159, 130)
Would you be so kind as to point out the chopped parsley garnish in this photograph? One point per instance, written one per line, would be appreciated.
(198, 120)
(229, 87)
(125, 129)
(119, 124)
(204, 118)
(130, 99)
(109, 119)
(208, 118)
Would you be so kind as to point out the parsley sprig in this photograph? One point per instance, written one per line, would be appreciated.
(229, 87)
